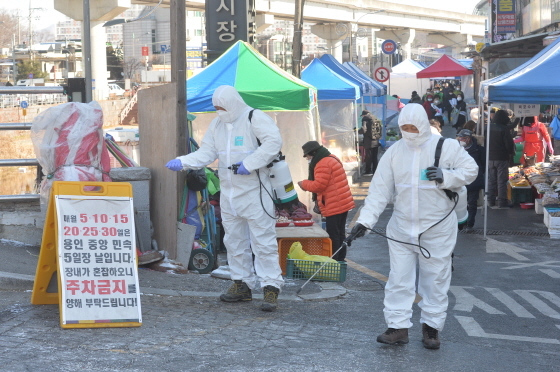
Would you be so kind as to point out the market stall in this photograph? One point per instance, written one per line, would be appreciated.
(530, 83)
(291, 102)
(338, 114)
(448, 67)
(403, 79)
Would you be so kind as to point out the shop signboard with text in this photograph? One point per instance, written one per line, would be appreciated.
(504, 21)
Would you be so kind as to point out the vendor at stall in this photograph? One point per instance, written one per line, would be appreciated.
(535, 135)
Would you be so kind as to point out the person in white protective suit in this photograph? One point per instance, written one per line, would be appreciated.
(422, 216)
(232, 139)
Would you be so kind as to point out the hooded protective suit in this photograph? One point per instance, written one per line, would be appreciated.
(418, 205)
(232, 138)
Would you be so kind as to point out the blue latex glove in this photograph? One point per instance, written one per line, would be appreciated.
(435, 174)
(242, 170)
(174, 165)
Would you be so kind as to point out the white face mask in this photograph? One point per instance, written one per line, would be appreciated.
(410, 138)
(225, 116)
(436, 102)
(463, 143)
(309, 161)
(430, 100)
(459, 99)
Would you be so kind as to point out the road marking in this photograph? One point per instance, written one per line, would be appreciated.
(551, 273)
(464, 301)
(510, 303)
(516, 265)
(494, 246)
(375, 274)
(474, 329)
(539, 304)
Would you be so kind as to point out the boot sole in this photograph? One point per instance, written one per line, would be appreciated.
(268, 309)
(399, 342)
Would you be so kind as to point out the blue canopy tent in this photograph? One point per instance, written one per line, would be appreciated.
(531, 83)
(367, 88)
(337, 98)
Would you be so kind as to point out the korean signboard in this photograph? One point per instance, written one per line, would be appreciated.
(503, 19)
(555, 8)
(523, 109)
(228, 21)
(96, 260)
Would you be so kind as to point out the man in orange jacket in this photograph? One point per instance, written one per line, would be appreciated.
(327, 181)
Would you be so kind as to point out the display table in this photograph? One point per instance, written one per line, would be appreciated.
(313, 231)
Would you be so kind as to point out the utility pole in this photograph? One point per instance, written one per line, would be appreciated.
(297, 48)
(14, 67)
(86, 50)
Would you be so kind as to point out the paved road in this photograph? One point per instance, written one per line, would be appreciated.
(504, 315)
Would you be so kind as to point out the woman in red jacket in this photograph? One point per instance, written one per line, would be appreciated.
(535, 135)
(327, 181)
(428, 106)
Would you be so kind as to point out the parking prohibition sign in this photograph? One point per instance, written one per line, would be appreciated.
(382, 74)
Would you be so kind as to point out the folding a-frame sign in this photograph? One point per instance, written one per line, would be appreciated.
(89, 244)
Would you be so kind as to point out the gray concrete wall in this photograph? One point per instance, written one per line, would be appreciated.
(160, 143)
(22, 222)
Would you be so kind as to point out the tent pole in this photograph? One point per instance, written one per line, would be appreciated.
(356, 135)
(486, 173)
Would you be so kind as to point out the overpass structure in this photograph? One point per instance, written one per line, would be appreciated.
(336, 19)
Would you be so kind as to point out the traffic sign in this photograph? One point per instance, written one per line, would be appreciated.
(24, 104)
(30, 76)
(382, 74)
(165, 48)
(389, 47)
(479, 47)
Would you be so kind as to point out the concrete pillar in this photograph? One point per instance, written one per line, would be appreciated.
(333, 35)
(101, 11)
(404, 36)
(99, 61)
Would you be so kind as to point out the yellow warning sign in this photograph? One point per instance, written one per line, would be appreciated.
(87, 262)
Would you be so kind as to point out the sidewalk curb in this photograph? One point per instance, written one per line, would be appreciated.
(329, 291)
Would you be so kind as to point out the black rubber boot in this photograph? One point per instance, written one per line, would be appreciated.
(270, 298)
(238, 291)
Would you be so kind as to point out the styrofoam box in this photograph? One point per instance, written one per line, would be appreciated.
(551, 222)
(538, 206)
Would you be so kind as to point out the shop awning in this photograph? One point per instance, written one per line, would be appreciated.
(526, 46)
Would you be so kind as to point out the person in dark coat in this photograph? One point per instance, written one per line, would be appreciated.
(501, 148)
(372, 133)
(462, 108)
(415, 98)
(470, 144)
(428, 106)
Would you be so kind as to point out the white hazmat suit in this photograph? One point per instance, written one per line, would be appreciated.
(232, 138)
(418, 205)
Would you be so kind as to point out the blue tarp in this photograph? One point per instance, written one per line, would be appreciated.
(353, 68)
(329, 84)
(532, 82)
(366, 88)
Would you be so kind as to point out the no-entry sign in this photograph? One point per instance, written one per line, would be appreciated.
(388, 47)
(382, 74)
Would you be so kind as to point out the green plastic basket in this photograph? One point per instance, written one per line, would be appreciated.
(303, 269)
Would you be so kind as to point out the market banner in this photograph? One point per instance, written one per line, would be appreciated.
(503, 19)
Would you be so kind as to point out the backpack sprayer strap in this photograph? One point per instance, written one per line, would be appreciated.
(450, 194)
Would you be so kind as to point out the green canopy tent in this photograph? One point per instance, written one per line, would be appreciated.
(290, 101)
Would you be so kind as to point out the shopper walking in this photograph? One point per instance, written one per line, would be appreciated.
(422, 215)
(329, 185)
(371, 129)
(477, 152)
(501, 148)
(249, 229)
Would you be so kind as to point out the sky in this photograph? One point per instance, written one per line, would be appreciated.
(49, 16)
